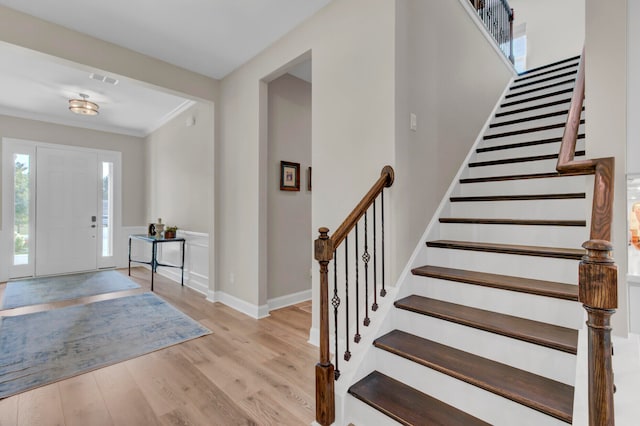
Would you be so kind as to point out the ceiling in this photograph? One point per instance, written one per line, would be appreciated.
(210, 37)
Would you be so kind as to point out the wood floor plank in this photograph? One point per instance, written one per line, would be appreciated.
(82, 402)
(41, 407)
(9, 411)
(126, 403)
(225, 378)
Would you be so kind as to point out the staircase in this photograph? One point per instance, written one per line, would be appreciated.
(485, 330)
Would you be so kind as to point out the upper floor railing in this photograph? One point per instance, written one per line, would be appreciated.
(497, 16)
(598, 275)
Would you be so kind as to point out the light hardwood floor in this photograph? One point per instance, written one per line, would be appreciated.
(247, 372)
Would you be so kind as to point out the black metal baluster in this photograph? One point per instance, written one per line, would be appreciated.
(335, 301)
(347, 352)
(383, 292)
(357, 336)
(366, 257)
(366, 321)
(375, 250)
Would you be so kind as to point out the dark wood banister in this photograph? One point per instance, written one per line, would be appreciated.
(598, 275)
(324, 248)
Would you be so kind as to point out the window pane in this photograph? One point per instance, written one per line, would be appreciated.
(107, 209)
(21, 177)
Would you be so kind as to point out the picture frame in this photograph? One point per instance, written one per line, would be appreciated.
(309, 179)
(289, 176)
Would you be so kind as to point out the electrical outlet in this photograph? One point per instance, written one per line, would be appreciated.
(413, 122)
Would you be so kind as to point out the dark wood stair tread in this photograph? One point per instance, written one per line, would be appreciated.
(548, 335)
(529, 118)
(545, 395)
(553, 252)
(503, 282)
(524, 144)
(526, 197)
(524, 177)
(537, 97)
(537, 89)
(554, 64)
(519, 85)
(407, 405)
(518, 222)
(520, 159)
(529, 130)
(533, 107)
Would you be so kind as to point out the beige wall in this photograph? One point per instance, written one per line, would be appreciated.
(132, 149)
(352, 45)
(606, 88)
(289, 238)
(633, 141)
(555, 28)
(180, 170)
(452, 88)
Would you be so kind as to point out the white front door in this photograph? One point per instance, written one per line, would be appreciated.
(66, 211)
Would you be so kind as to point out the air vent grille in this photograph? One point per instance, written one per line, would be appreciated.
(104, 79)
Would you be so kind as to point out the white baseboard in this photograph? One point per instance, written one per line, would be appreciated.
(289, 299)
(192, 280)
(314, 336)
(254, 311)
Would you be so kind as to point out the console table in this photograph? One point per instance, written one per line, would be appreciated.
(154, 253)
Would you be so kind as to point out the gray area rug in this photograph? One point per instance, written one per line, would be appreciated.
(44, 347)
(35, 291)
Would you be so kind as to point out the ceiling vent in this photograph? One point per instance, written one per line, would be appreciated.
(104, 79)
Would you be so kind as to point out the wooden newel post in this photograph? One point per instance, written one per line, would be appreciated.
(325, 395)
(598, 293)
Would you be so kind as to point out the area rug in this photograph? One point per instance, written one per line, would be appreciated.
(44, 347)
(35, 291)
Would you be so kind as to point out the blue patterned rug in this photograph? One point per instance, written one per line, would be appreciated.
(44, 347)
(35, 291)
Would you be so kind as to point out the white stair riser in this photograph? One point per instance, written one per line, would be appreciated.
(519, 95)
(565, 313)
(526, 137)
(485, 405)
(525, 124)
(524, 151)
(538, 111)
(536, 359)
(546, 236)
(556, 185)
(534, 209)
(541, 268)
(528, 104)
(361, 414)
(556, 69)
(527, 167)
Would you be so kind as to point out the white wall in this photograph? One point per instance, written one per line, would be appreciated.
(352, 45)
(180, 170)
(633, 88)
(452, 87)
(606, 113)
(289, 238)
(132, 149)
(555, 28)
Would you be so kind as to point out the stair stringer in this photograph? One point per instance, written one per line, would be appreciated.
(364, 358)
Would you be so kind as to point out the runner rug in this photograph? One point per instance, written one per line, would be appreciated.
(44, 347)
(35, 291)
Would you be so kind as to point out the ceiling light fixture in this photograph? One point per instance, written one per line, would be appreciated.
(83, 106)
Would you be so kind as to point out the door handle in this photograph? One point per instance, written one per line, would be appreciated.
(93, 226)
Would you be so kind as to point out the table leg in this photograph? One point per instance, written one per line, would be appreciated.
(153, 262)
(129, 256)
(182, 267)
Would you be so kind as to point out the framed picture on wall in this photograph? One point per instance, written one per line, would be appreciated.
(289, 176)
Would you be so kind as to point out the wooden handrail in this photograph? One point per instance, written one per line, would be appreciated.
(324, 249)
(385, 181)
(598, 275)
